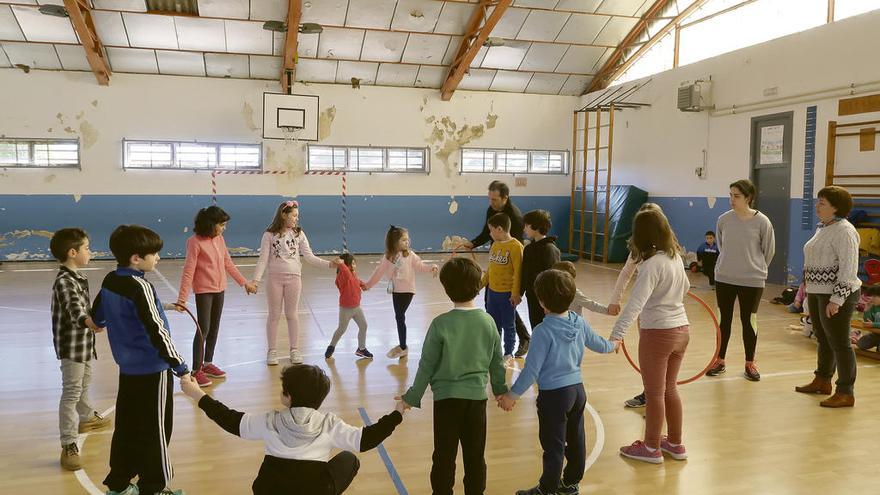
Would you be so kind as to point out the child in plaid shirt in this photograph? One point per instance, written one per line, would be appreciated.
(73, 332)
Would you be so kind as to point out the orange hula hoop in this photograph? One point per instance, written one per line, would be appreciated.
(198, 332)
(714, 355)
(458, 248)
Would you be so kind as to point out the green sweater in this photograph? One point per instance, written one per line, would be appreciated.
(872, 316)
(461, 350)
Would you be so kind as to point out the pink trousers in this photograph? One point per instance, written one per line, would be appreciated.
(660, 355)
(282, 293)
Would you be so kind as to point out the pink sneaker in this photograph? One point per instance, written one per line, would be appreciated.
(202, 379)
(639, 451)
(677, 452)
(213, 371)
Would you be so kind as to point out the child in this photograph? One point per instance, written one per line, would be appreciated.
(871, 319)
(129, 307)
(462, 351)
(555, 362)
(657, 300)
(73, 333)
(580, 301)
(280, 249)
(401, 265)
(349, 307)
(538, 255)
(299, 438)
(707, 255)
(204, 271)
(503, 279)
(797, 306)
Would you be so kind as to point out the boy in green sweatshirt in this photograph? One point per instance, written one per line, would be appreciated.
(461, 353)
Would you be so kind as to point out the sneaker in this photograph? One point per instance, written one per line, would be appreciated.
(70, 457)
(523, 348)
(677, 452)
(329, 352)
(564, 489)
(213, 371)
(364, 353)
(535, 490)
(394, 352)
(639, 451)
(751, 372)
(129, 490)
(793, 309)
(95, 422)
(717, 368)
(296, 357)
(637, 401)
(202, 379)
(272, 357)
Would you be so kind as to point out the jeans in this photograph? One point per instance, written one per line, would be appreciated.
(74, 405)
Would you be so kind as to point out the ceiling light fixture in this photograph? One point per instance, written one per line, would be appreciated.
(53, 10)
(493, 41)
(304, 28)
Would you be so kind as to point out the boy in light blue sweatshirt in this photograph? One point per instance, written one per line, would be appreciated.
(554, 360)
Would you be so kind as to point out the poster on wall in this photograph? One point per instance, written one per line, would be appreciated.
(772, 144)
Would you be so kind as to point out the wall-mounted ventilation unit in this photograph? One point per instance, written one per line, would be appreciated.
(695, 96)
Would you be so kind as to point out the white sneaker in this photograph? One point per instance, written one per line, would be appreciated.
(296, 357)
(272, 357)
(394, 352)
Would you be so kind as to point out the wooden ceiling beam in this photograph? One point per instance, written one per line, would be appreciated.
(479, 28)
(81, 19)
(288, 66)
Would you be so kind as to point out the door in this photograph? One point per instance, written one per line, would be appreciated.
(771, 173)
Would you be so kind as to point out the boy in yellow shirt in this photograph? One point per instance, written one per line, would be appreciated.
(503, 280)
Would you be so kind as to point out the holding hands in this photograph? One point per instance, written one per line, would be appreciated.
(191, 387)
(251, 287)
(614, 309)
(506, 401)
(401, 406)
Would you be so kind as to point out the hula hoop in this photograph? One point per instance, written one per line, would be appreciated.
(198, 332)
(714, 355)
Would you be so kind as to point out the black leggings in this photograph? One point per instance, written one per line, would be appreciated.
(749, 299)
(401, 301)
(209, 308)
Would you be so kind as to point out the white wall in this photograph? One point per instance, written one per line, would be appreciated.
(56, 104)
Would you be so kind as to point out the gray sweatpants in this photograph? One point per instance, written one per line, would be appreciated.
(345, 316)
(74, 405)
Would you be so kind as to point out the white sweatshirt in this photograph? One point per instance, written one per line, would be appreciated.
(280, 253)
(301, 433)
(657, 298)
(831, 261)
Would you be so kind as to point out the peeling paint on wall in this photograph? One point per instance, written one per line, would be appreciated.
(26, 255)
(95, 103)
(711, 200)
(77, 197)
(242, 250)
(69, 130)
(80, 115)
(446, 138)
(247, 111)
(325, 122)
(453, 207)
(49, 178)
(60, 117)
(88, 133)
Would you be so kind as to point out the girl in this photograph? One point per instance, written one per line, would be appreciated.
(280, 249)
(747, 244)
(401, 264)
(350, 288)
(204, 271)
(657, 300)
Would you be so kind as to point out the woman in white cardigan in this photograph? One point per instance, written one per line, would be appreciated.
(831, 265)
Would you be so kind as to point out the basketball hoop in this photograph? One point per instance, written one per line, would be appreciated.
(291, 134)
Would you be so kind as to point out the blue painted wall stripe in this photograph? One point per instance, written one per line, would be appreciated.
(395, 478)
(807, 222)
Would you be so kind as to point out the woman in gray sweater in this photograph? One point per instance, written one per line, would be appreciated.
(746, 243)
(831, 265)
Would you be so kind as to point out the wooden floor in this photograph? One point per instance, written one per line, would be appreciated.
(742, 437)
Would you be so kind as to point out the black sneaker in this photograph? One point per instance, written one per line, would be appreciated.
(636, 402)
(329, 352)
(751, 373)
(364, 353)
(717, 369)
(536, 490)
(523, 348)
(573, 488)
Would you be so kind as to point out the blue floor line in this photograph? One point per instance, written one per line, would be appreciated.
(395, 478)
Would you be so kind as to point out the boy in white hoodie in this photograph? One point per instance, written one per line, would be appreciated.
(299, 438)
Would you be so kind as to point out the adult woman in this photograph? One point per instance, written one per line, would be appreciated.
(747, 244)
(831, 264)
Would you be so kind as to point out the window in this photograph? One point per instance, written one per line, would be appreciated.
(514, 161)
(368, 159)
(191, 156)
(849, 8)
(49, 153)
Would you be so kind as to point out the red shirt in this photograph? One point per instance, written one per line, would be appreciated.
(349, 287)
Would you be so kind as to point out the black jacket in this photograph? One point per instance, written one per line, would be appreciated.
(537, 257)
(516, 224)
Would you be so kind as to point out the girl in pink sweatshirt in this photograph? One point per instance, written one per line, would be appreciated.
(204, 272)
(401, 265)
(282, 244)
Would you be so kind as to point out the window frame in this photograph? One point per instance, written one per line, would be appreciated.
(31, 142)
(566, 156)
(218, 146)
(386, 166)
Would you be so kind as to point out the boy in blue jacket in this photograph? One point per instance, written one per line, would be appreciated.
(141, 344)
(554, 360)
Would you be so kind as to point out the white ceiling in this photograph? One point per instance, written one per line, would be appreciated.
(551, 46)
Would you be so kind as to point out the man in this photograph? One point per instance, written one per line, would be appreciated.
(500, 202)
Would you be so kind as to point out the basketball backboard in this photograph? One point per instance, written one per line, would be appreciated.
(299, 112)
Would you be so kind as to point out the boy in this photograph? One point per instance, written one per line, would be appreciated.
(538, 255)
(870, 320)
(73, 333)
(350, 289)
(555, 362)
(580, 301)
(707, 255)
(503, 280)
(129, 307)
(299, 438)
(462, 351)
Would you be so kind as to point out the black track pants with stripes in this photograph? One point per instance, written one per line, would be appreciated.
(144, 416)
